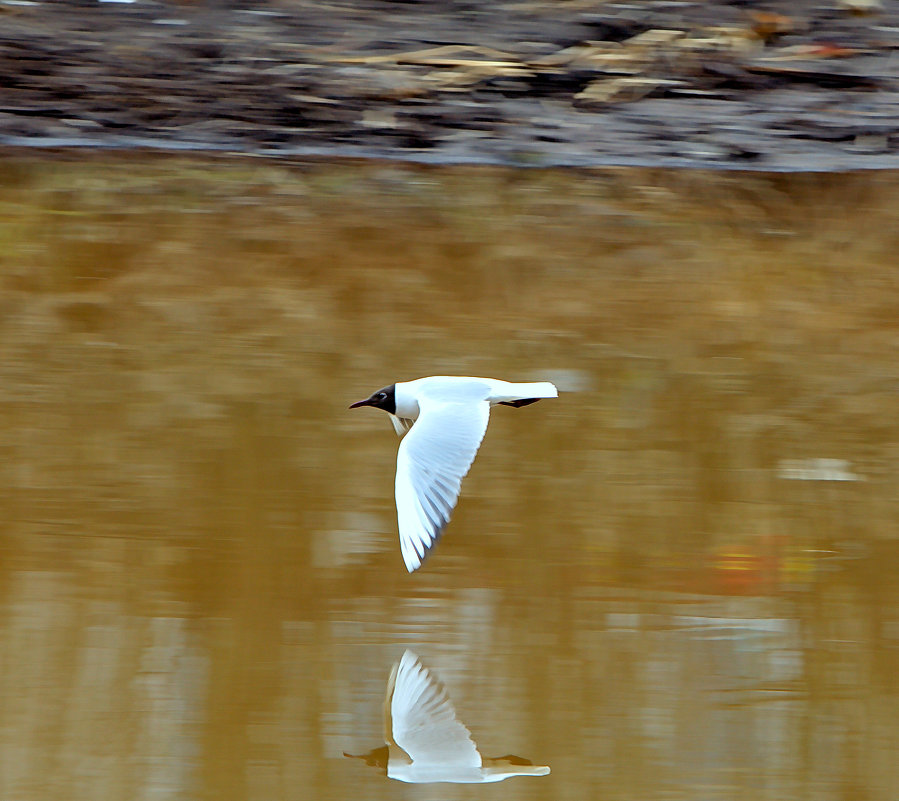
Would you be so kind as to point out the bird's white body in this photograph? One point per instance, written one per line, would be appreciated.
(464, 389)
(431, 774)
(446, 418)
(427, 742)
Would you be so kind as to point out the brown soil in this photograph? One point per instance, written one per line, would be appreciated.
(786, 84)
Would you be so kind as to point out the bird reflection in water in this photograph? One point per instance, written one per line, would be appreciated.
(426, 742)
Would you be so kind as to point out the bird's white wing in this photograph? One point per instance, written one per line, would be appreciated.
(433, 459)
(423, 720)
(401, 424)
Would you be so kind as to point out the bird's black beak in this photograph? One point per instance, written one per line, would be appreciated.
(366, 402)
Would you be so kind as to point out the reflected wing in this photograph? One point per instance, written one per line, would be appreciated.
(423, 720)
(433, 459)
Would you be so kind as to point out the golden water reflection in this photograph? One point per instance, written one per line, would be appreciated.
(677, 581)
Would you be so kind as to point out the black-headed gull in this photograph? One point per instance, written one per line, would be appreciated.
(426, 742)
(450, 415)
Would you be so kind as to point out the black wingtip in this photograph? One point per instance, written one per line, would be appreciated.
(436, 535)
(519, 403)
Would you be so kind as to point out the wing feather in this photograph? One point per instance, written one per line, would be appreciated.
(401, 424)
(433, 459)
(423, 720)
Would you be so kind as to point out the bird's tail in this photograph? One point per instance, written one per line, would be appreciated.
(512, 765)
(510, 393)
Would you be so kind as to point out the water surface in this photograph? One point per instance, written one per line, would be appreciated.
(677, 581)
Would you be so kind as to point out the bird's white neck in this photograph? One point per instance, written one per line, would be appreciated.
(406, 400)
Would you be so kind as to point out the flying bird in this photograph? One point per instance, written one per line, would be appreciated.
(445, 417)
(426, 742)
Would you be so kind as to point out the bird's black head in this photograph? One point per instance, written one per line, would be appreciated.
(377, 758)
(382, 399)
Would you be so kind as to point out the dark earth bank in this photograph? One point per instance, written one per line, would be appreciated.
(781, 85)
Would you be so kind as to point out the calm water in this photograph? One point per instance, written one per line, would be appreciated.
(678, 581)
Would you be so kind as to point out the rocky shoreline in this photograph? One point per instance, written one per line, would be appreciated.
(773, 86)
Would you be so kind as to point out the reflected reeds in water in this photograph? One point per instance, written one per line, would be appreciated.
(686, 588)
(426, 743)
